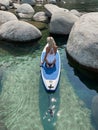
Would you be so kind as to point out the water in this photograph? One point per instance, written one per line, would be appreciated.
(80, 5)
(24, 102)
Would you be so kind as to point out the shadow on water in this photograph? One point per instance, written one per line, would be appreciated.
(19, 48)
(92, 103)
(85, 88)
(48, 106)
(91, 84)
(49, 102)
(60, 39)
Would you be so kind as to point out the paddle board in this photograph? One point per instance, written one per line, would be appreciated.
(50, 76)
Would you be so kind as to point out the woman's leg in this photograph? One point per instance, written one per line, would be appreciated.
(50, 64)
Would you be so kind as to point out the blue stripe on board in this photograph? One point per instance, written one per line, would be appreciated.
(50, 73)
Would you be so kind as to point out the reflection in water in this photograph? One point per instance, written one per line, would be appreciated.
(49, 106)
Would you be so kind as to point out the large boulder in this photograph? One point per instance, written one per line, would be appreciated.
(40, 16)
(25, 11)
(62, 22)
(52, 9)
(82, 44)
(16, 5)
(19, 31)
(6, 16)
(4, 4)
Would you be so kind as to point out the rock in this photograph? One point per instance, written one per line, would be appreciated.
(25, 11)
(75, 12)
(15, 5)
(19, 31)
(40, 16)
(51, 9)
(82, 45)
(6, 16)
(4, 4)
(62, 22)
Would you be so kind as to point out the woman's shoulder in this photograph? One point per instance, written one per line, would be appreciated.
(47, 49)
(55, 47)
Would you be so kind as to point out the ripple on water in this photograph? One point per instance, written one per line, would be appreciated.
(21, 105)
(19, 98)
(72, 115)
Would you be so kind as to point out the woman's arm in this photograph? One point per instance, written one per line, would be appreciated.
(47, 50)
(55, 49)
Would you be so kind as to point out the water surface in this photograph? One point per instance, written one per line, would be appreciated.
(24, 102)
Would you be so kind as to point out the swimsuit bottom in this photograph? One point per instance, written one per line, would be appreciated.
(49, 65)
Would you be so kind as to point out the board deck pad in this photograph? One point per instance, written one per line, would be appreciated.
(51, 73)
(50, 76)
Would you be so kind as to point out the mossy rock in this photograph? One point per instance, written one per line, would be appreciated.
(39, 25)
(39, 8)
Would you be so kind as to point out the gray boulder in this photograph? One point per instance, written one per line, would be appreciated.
(82, 45)
(6, 16)
(51, 9)
(16, 5)
(25, 11)
(19, 31)
(75, 12)
(40, 16)
(62, 22)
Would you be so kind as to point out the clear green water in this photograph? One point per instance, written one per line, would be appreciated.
(80, 5)
(24, 103)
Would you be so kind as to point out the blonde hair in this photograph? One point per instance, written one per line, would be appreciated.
(50, 41)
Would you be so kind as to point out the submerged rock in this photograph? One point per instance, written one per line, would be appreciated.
(19, 31)
(82, 46)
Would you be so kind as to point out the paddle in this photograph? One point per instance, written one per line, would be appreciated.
(41, 65)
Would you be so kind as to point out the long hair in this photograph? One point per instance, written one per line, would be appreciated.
(50, 41)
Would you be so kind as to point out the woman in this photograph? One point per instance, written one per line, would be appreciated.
(51, 50)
